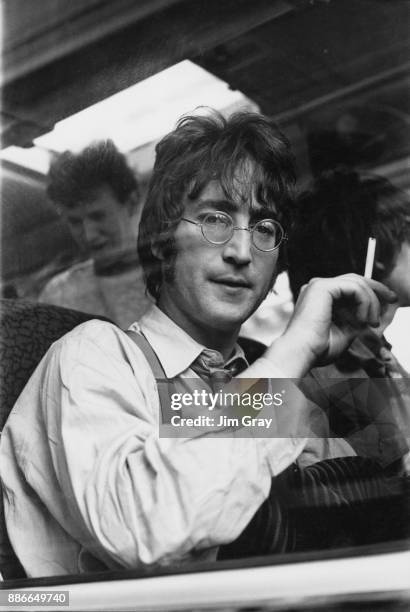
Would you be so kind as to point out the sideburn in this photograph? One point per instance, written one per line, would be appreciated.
(168, 261)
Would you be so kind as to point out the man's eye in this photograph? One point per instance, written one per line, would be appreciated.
(266, 229)
(216, 219)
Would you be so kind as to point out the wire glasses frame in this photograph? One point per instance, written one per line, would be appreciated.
(218, 228)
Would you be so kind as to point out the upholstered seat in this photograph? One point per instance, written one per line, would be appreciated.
(27, 330)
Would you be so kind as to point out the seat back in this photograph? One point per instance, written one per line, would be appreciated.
(27, 330)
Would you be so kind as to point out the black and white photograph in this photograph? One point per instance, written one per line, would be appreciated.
(205, 305)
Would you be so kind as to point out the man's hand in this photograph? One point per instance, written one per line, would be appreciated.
(329, 314)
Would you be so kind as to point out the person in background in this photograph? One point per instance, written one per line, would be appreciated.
(97, 194)
(329, 237)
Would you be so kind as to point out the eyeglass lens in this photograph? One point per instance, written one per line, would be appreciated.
(217, 228)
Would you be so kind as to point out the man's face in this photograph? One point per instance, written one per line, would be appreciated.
(399, 278)
(103, 226)
(215, 288)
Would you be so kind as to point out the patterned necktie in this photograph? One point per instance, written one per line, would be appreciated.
(210, 366)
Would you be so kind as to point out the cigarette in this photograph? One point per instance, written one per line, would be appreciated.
(371, 248)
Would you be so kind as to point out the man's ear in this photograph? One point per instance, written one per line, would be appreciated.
(380, 271)
(379, 266)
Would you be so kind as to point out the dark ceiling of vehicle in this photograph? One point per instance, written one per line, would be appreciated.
(315, 61)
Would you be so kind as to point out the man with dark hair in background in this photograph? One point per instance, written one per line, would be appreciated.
(332, 224)
(89, 481)
(96, 193)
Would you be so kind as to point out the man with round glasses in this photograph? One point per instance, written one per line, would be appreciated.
(104, 489)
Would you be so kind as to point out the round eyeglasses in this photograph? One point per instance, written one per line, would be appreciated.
(218, 228)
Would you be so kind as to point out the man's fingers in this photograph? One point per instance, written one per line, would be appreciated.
(372, 296)
(370, 307)
(365, 296)
(356, 307)
(329, 312)
(383, 292)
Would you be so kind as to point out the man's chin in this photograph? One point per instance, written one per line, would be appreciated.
(236, 306)
(228, 317)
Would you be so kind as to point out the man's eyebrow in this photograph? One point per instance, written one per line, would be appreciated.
(257, 212)
(263, 212)
(217, 204)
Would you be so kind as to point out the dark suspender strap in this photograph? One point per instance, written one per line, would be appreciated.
(165, 385)
(149, 353)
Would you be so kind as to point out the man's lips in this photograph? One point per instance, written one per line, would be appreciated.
(232, 281)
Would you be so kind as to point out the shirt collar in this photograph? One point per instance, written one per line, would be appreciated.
(175, 349)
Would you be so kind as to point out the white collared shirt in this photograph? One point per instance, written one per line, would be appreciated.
(89, 484)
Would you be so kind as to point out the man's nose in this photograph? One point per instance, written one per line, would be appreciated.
(238, 249)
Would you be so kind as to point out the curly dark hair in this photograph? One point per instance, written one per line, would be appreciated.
(201, 149)
(72, 178)
(333, 221)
